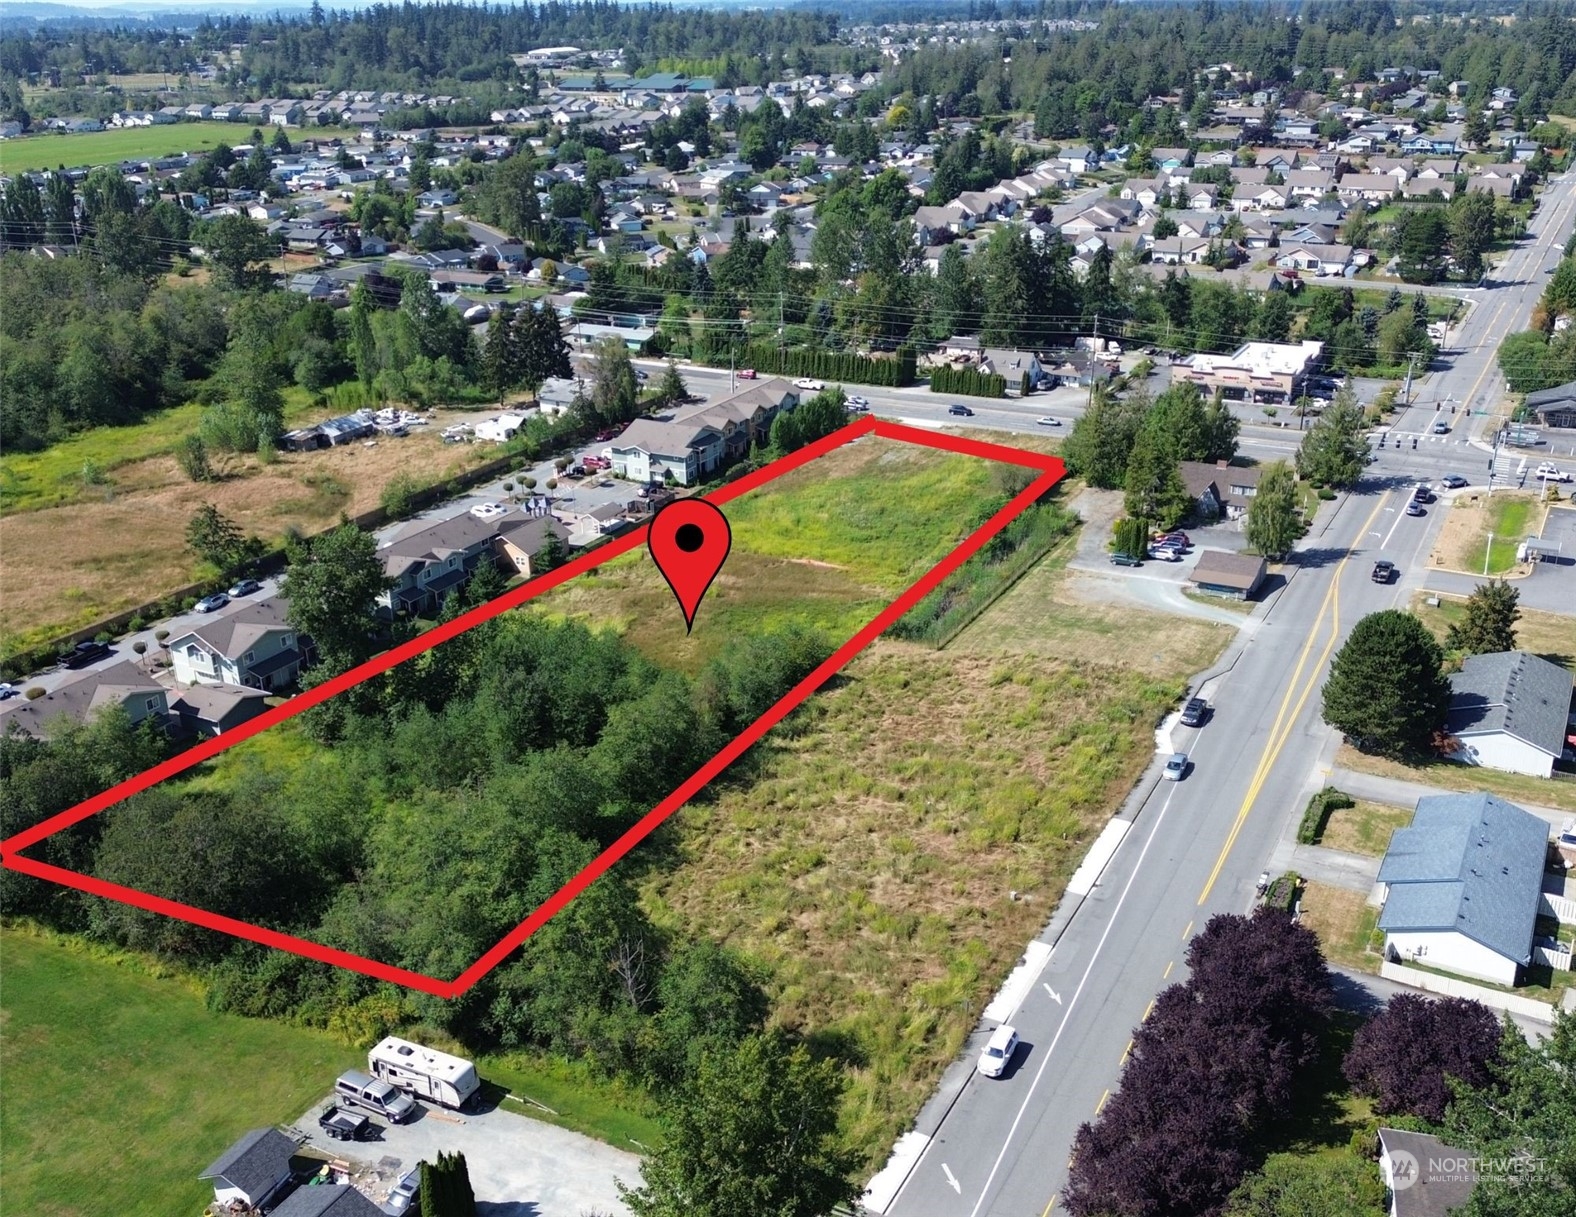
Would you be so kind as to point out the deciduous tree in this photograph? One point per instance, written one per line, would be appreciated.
(1273, 523)
(755, 1131)
(332, 586)
(1334, 452)
(1403, 1056)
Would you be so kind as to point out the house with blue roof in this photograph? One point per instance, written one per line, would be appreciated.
(1461, 887)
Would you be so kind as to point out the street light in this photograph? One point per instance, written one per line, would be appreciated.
(1487, 549)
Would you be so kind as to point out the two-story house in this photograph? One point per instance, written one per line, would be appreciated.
(254, 646)
(122, 685)
(427, 561)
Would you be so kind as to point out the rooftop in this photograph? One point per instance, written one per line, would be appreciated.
(1523, 695)
(1263, 358)
(1471, 863)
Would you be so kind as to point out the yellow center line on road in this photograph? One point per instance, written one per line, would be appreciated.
(1101, 1104)
(1052, 1203)
(1167, 972)
(1280, 733)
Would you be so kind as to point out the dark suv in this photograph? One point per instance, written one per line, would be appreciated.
(1195, 712)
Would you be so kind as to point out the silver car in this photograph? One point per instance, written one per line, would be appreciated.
(1175, 767)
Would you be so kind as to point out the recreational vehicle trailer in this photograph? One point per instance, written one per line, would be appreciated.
(424, 1072)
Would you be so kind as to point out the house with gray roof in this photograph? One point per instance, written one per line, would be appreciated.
(83, 699)
(254, 647)
(332, 1200)
(430, 559)
(1461, 886)
(1554, 407)
(214, 709)
(654, 451)
(1510, 711)
(253, 1171)
(1425, 1176)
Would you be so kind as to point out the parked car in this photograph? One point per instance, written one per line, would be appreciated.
(814, 386)
(1175, 767)
(642, 376)
(403, 1195)
(212, 604)
(1550, 473)
(1175, 534)
(85, 653)
(1162, 553)
(960, 409)
(1048, 421)
(1125, 560)
(362, 1090)
(344, 1125)
(603, 436)
(1195, 712)
(7, 690)
(1383, 572)
(489, 511)
(1452, 481)
(746, 373)
(1414, 508)
(998, 1051)
(246, 587)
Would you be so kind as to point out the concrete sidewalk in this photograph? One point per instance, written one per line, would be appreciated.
(1336, 868)
(1401, 793)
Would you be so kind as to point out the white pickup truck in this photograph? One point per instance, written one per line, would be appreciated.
(1550, 473)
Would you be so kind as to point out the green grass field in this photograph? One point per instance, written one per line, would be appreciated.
(120, 1086)
(50, 151)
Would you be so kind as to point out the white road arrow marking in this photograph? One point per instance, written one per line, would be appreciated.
(1055, 997)
(947, 1171)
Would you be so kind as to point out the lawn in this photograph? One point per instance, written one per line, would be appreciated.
(1550, 635)
(120, 1086)
(51, 150)
(1365, 828)
(1452, 775)
(1345, 924)
(1506, 524)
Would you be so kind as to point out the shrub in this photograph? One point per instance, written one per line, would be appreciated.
(399, 495)
(1325, 493)
(160, 635)
(1318, 812)
(34, 693)
(1270, 411)
(135, 624)
(140, 647)
(103, 636)
(1282, 894)
(528, 483)
(552, 483)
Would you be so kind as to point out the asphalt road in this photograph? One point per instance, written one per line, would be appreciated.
(1000, 1148)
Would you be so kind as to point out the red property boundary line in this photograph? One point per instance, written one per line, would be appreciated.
(1051, 471)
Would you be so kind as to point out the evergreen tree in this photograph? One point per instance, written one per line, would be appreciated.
(541, 348)
(671, 389)
(1488, 622)
(501, 361)
(1386, 692)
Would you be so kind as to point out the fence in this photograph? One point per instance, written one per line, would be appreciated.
(1558, 958)
(1560, 908)
(1447, 986)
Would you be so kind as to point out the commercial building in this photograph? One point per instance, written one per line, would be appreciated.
(1264, 373)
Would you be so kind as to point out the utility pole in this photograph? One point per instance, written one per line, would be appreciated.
(1410, 361)
(1094, 346)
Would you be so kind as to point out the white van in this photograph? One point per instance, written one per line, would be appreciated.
(426, 1073)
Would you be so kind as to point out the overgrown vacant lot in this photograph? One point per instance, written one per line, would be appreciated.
(120, 543)
(829, 545)
(871, 864)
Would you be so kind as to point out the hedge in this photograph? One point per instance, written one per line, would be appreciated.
(1282, 894)
(893, 372)
(967, 381)
(1319, 808)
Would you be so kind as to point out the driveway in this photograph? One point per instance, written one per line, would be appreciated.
(519, 1167)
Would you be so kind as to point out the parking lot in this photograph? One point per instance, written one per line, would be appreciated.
(519, 1167)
